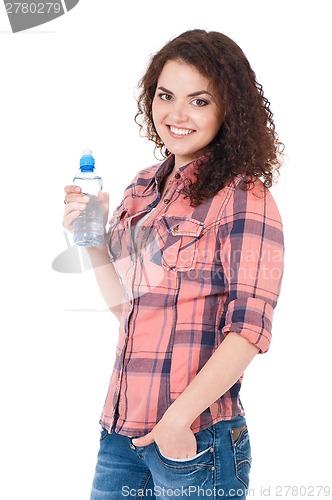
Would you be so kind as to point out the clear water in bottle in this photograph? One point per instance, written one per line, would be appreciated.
(88, 227)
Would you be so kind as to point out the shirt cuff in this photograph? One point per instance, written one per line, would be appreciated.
(252, 319)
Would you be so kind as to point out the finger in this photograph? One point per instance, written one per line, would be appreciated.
(71, 211)
(104, 200)
(78, 197)
(72, 189)
(74, 206)
(144, 440)
(103, 197)
(67, 221)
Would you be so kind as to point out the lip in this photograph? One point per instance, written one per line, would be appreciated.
(178, 136)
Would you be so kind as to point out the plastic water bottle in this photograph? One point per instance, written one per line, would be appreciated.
(89, 225)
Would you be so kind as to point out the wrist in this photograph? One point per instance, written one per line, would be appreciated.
(98, 255)
(177, 417)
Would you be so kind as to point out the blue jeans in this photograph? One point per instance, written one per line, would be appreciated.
(220, 469)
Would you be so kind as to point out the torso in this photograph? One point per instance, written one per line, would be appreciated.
(163, 189)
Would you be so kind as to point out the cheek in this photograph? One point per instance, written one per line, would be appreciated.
(157, 120)
(215, 123)
(156, 113)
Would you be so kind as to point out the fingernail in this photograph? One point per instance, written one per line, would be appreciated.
(82, 206)
(85, 198)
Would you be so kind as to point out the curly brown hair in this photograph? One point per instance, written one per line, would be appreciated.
(246, 143)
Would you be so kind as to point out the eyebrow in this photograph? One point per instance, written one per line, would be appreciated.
(193, 94)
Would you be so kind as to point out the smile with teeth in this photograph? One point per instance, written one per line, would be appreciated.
(180, 131)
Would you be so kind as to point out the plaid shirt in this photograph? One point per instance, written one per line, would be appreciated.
(192, 275)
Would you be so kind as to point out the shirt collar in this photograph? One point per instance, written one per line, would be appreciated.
(186, 171)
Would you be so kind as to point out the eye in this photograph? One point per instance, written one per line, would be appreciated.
(165, 97)
(200, 102)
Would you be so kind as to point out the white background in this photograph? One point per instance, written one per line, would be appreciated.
(70, 84)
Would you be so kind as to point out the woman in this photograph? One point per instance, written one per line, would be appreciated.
(192, 268)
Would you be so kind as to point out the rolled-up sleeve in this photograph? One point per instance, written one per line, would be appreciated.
(252, 257)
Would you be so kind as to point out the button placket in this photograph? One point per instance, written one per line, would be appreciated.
(149, 221)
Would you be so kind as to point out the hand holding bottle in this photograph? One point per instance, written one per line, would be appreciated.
(87, 214)
(76, 202)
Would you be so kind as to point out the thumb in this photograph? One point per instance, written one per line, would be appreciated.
(103, 196)
(104, 200)
(144, 440)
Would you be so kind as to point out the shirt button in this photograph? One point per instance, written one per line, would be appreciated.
(143, 228)
(166, 200)
(177, 175)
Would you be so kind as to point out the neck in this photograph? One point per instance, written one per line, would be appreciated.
(181, 161)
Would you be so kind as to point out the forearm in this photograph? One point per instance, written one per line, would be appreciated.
(106, 277)
(217, 376)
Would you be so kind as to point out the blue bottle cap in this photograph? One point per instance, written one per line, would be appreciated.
(87, 161)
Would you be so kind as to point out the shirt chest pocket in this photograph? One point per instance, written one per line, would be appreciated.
(178, 239)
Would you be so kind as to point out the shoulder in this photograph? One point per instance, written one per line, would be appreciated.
(255, 202)
(143, 177)
(147, 173)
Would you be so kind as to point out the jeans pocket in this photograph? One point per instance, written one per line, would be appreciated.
(242, 453)
(182, 460)
(204, 457)
(103, 434)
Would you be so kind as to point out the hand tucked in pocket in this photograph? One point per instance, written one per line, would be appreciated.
(174, 441)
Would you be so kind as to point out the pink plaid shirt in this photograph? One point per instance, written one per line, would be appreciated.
(191, 276)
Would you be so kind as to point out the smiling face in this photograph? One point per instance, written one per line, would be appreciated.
(185, 111)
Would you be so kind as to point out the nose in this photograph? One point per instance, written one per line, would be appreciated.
(178, 113)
